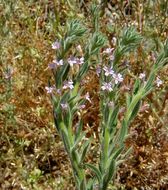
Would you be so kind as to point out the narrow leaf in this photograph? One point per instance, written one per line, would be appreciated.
(112, 118)
(109, 174)
(123, 131)
(79, 129)
(135, 111)
(95, 170)
(84, 151)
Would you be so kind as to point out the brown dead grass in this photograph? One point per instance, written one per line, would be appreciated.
(29, 141)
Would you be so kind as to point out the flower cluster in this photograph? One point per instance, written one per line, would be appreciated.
(116, 79)
(55, 63)
(75, 61)
(107, 86)
(56, 45)
(49, 89)
(108, 71)
(68, 84)
(60, 62)
(109, 52)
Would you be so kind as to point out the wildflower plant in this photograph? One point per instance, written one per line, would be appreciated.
(69, 70)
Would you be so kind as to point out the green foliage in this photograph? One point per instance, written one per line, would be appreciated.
(113, 132)
(129, 40)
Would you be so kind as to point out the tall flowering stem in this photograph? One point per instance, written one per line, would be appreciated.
(68, 101)
(68, 72)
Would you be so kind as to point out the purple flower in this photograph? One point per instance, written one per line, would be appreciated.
(117, 78)
(55, 63)
(49, 89)
(58, 91)
(108, 70)
(158, 82)
(80, 61)
(56, 45)
(98, 70)
(107, 86)
(68, 84)
(52, 66)
(72, 61)
(58, 63)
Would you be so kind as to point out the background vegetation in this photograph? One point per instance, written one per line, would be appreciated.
(32, 155)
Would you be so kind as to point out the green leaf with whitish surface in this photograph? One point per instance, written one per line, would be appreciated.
(84, 150)
(95, 170)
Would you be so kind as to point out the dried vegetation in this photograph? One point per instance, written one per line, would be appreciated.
(32, 156)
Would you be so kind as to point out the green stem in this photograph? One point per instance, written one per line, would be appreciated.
(78, 172)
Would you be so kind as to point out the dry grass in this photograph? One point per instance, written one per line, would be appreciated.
(32, 155)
